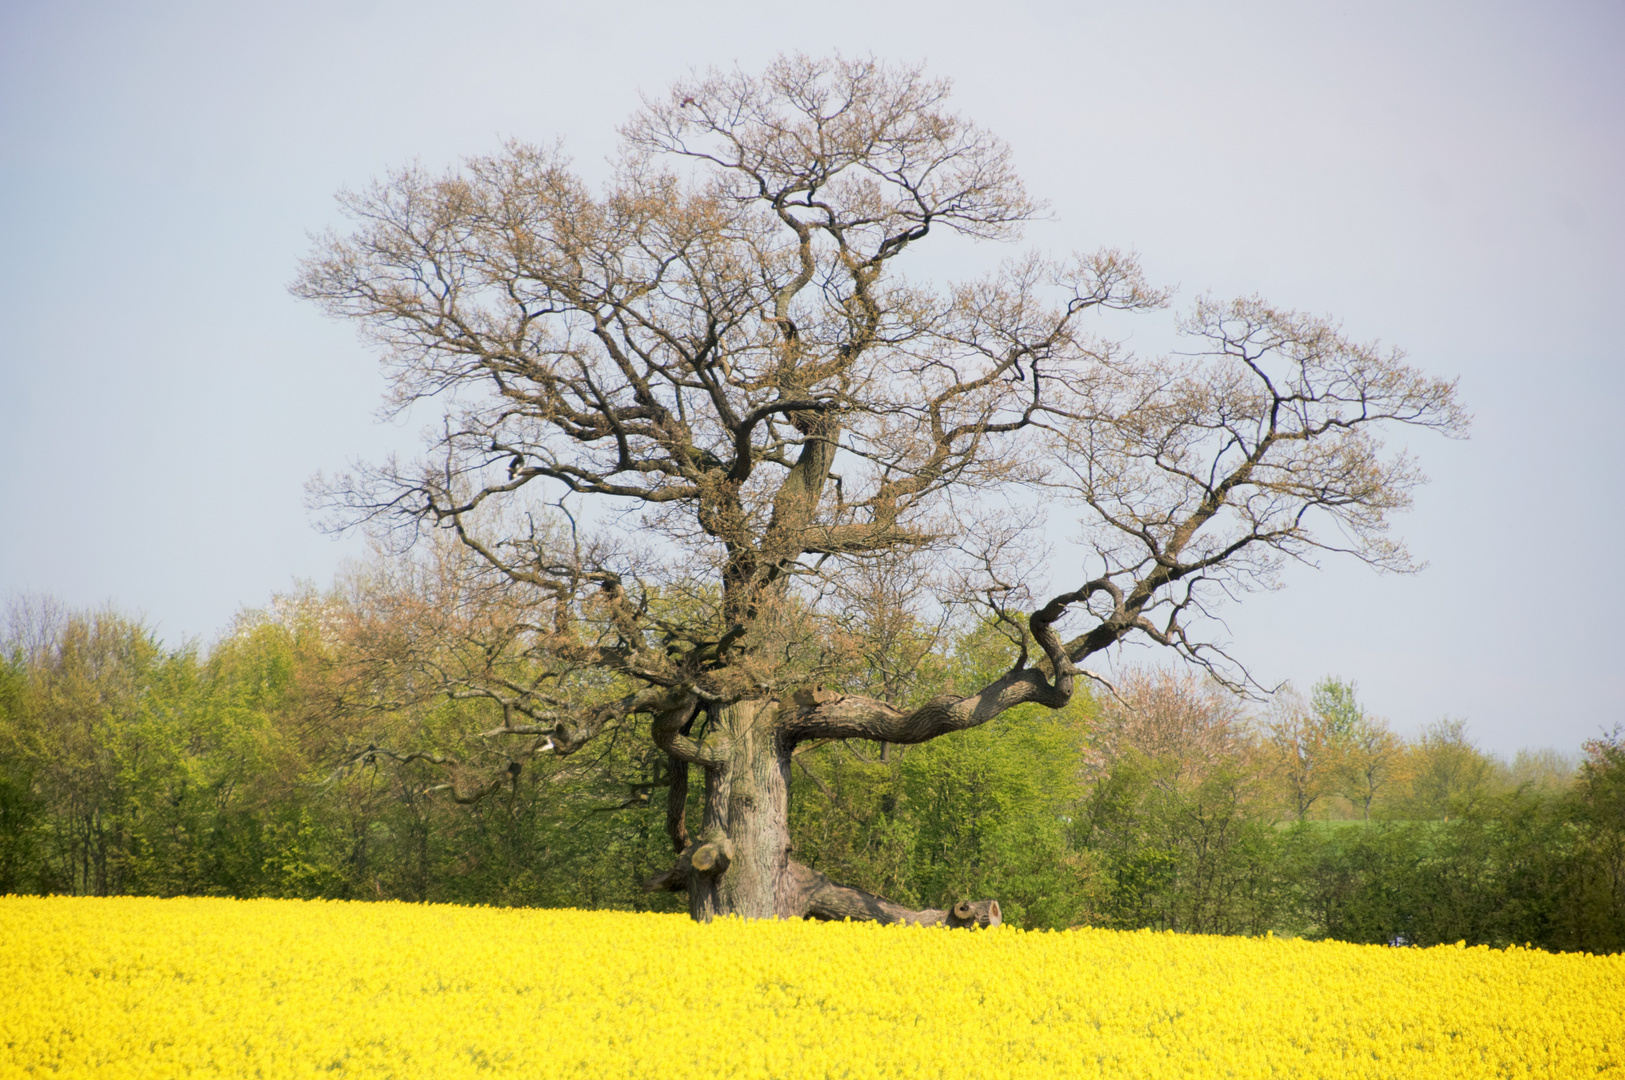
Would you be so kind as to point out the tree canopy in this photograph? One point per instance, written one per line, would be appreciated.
(693, 418)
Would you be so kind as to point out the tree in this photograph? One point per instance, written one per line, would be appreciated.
(1592, 898)
(1336, 702)
(1448, 773)
(129, 768)
(1306, 745)
(1193, 726)
(1365, 751)
(1183, 834)
(1374, 754)
(80, 733)
(718, 376)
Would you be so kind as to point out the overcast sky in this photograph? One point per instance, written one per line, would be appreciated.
(1447, 177)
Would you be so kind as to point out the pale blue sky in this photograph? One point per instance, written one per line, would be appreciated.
(1448, 177)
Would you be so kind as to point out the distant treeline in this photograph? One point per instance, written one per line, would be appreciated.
(244, 770)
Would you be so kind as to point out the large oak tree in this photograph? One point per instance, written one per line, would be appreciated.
(716, 370)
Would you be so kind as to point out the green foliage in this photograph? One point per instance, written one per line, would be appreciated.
(949, 820)
(991, 813)
(1490, 877)
(23, 816)
(1591, 914)
(1449, 775)
(1335, 700)
(134, 769)
(1189, 853)
(128, 767)
(986, 812)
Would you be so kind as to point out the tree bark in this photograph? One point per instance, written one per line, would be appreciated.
(822, 898)
(740, 863)
(746, 817)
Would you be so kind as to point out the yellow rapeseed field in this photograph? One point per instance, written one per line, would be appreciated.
(277, 988)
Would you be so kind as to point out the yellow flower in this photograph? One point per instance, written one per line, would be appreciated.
(273, 989)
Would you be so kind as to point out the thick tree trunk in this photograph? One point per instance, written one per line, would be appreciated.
(740, 863)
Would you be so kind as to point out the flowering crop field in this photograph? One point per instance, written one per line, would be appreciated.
(280, 988)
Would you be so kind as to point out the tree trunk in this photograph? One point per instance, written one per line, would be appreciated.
(740, 863)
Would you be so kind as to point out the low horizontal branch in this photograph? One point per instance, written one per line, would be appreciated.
(822, 898)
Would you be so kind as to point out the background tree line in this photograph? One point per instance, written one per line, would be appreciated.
(258, 767)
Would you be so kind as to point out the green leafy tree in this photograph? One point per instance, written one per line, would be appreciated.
(1592, 915)
(1448, 775)
(1180, 816)
(1362, 755)
(1336, 703)
(24, 822)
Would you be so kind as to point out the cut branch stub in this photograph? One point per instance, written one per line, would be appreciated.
(975, 913)
(712, 857)
(709, 859)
